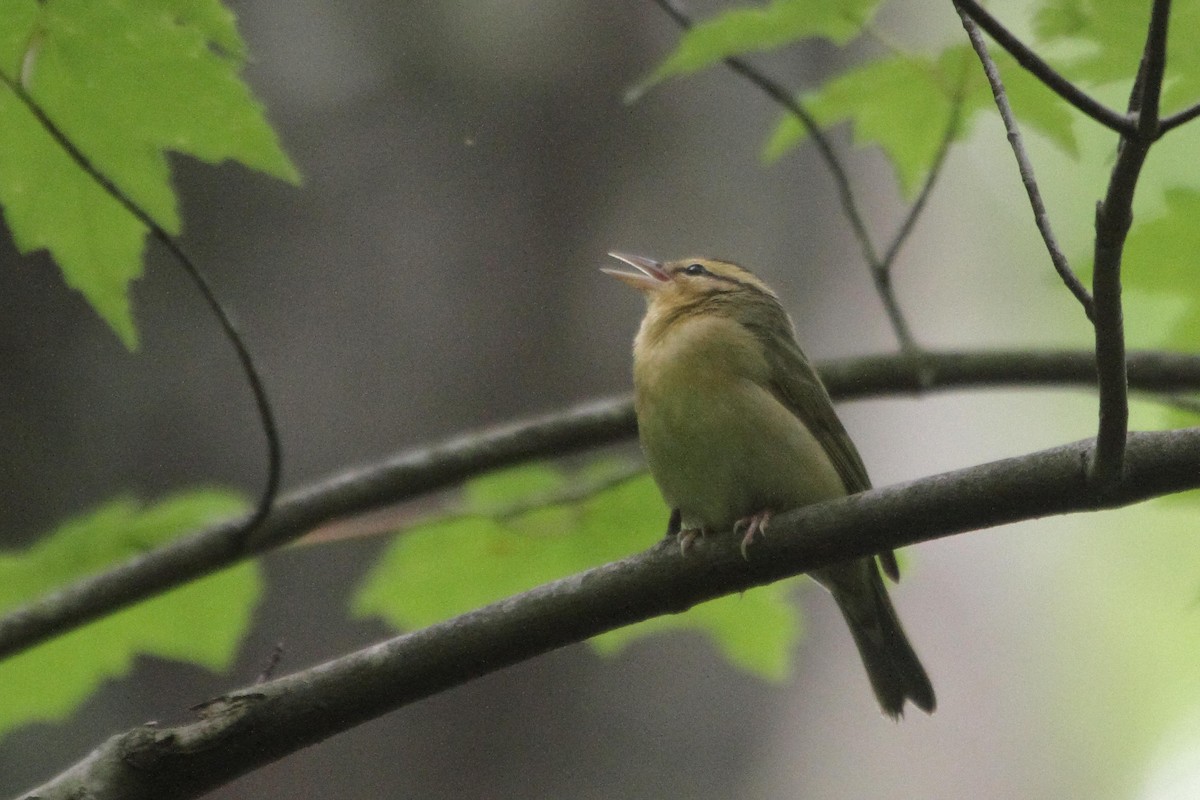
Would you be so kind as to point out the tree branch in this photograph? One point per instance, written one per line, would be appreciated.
(353, 492)
(1182, 118)
(1114, 216)
(1024, 165)
(881, 273)
(246, 729)
(430, 469)
(1045, 73)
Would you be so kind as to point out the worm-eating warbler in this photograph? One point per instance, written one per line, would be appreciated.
(735, 425)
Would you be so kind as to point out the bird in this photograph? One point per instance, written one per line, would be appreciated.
(736, 425)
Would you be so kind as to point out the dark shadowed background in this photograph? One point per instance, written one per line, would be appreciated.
(467, 165)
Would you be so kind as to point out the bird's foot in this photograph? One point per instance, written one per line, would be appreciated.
(756, 526)
(687, 538)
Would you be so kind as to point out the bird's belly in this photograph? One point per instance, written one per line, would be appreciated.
(723, 451)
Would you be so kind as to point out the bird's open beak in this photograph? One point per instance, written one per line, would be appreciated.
(650, 274)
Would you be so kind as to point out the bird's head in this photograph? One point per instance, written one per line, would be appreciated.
(689, 281)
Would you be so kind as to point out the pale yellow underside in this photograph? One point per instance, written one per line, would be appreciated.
(719, 444)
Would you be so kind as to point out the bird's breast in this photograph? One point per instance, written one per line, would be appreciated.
(719, 443)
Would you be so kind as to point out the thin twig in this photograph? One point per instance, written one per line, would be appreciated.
(426, 470)
(881, 273)
(402, 520)
(1114, 216)
(785, 99)
(1154, 60)
(1045, 73)
(935, 170)
(1025, 167)
(252, 727)
(879, 269)
(229, 328)
(1175, 120)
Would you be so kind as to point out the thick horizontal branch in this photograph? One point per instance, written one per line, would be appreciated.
(426, 470)
(859, 378)
(247, 729)
(353, 492)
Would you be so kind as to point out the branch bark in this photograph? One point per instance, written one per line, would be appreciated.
(1114, 216)
(244, 730)
(1182, 118)
(1045, 73)
(1024, 165)
(430, 469)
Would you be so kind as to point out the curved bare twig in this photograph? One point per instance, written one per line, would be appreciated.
(1025, 167)
(879, 268)
(262, 402)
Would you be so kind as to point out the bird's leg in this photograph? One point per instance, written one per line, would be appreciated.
(756, 525)
(675, 523)
(686, 537)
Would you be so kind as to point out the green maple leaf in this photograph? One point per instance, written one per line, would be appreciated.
(903, 103)
(447, 567)
(201, 623)
(750, 29)
(1105, 39)
(126, 81)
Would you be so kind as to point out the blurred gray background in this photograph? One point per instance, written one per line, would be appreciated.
(467, 165)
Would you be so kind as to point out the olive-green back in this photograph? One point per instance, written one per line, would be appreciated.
(795, 383)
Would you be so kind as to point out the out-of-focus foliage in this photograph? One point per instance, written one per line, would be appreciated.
(748, 29)
(1105, 40)
(519, 528)
(125, 81)
(1161, 261)
(903, 104)
(202, 622)
(1126, 617)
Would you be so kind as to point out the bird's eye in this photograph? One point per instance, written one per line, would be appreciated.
(695, 269)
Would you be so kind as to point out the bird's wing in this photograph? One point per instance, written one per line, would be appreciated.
(795, 383)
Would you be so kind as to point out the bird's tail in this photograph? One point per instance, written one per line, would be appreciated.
(892, 666)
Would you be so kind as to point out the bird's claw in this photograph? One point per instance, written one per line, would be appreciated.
(687, 538)
(756, 526)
